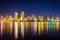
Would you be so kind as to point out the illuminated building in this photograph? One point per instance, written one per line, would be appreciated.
(39, 28)
(35, 26)
(22, 23)
(7, 24)
(32, 25)
(11, 24)
(42, 25)
(50, 24)
(57, 24)
(28, 25)
(4, 25)
(16, 25)
(45, 24)
(54, 23)
(1, 26)
(22, 15)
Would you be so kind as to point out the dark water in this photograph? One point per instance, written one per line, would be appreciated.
(51, 35)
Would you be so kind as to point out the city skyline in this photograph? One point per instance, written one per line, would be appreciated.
(30, 25)
(32, 17)
(22, 12)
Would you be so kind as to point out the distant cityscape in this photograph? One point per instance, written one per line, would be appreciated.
(34, 25)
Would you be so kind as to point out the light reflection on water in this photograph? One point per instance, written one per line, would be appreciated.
(51, 26)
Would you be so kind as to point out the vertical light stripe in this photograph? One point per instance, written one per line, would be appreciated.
(19, 27)
(1, 28)
(39, 27)
(22, 29)
(57, 26)
(46, 26)
(35, 27)
(32, 28)
(27, 26)
(54, 26)
(51, 25)
(42, 26)
(49, 29)
(16, 29)
(11, 27)
(7, 26)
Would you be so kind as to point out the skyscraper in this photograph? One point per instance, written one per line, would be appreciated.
(22, 15)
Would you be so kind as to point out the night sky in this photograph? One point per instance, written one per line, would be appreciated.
(36, 7)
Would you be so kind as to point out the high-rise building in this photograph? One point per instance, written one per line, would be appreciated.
(15, 16)
(22, 15)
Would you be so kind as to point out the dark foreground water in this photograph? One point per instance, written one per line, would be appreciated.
(44, 36)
